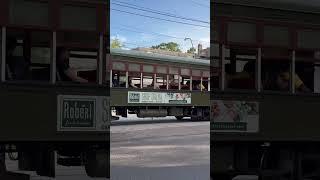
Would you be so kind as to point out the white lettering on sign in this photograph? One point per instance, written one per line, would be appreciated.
(83, 113)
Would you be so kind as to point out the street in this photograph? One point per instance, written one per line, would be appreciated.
(160, 148)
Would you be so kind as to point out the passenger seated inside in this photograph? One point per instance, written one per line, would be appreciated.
(242, 80)
(64, 72)
(17, 68)
(154, 86)
(186, 86)
(283, 82)
(173, 84)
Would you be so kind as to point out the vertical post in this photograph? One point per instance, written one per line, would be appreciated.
(191, 83)
(54, 57)
(201, 81)
(222, 65)
(293, 72)
(141, 81)
(167, 82)
(179, 84)
(258, 72)
(3, 57)
(154, 81)
(209, 84)
(100, 73)
(111, 78)
(127, 79)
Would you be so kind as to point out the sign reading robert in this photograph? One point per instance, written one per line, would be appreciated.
(78, 113)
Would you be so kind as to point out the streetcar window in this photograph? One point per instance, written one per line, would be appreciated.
(173, 78)
(28, 55)
(305, 70)
(185, 78)
(205, 80)
(276, 69)
(196, 79)
(161, 81)
(161, 77)
(185, 82)
(119, 79)
(135, 75)
(83, 56)
(240, 68)
(173, 82)
(148, 80)
(148, 76)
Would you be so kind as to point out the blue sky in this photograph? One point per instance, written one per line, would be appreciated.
(148, 32)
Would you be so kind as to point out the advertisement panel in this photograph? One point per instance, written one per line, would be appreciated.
(83, 113)
(135, 97)
(235, 116)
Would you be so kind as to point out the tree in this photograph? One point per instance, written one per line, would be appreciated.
(192, 50)
(116, 43)
(170, 46)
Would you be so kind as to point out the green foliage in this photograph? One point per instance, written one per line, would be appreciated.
(116, 43)
(170, 46)
(191, 50)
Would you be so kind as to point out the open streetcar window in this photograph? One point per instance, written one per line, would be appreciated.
(240, 68)
(135, 76)
(185, 79)
(28, 55)
(119, 78)
(77, 56)
(306, 70)
(161, 76)
(196, 80)
(148, 77)
(205, 80)
(276, 69)
(174, 78)
(307, 59)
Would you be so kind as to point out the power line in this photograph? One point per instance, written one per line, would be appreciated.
(154, 33)
(200, 4)
(179, 22)
(132, 6)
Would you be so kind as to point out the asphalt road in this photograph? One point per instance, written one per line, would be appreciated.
(158, 149)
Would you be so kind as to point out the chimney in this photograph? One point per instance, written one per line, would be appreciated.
(199, 48)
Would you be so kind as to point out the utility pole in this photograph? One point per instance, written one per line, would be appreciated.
(194, 56)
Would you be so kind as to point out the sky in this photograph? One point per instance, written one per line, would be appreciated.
(137, 31)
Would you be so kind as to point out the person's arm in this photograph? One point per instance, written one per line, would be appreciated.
(74, 77)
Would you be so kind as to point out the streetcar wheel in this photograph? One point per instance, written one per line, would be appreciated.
(97, 164)
(179, 118)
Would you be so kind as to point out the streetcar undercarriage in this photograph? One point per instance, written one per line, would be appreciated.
(42, 158)
(275, 160)
(196, 113)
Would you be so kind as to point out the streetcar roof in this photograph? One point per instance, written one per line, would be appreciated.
(308, 6)
(159, 57)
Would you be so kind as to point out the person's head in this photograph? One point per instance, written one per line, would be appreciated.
(11, 45)
(283, 81)
(62, 55)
